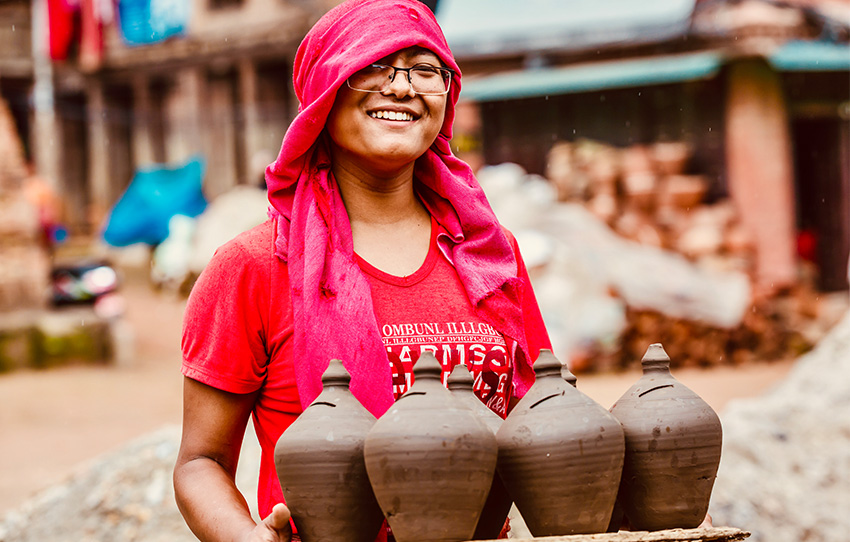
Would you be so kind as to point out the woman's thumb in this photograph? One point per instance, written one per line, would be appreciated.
(278, 519)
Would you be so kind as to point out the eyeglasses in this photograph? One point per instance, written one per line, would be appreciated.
(425, 80)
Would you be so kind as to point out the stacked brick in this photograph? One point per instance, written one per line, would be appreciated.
(645, 193)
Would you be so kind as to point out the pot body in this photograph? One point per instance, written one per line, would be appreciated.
(319, 462)
(673, 444)
(430, 462)
(499, 501)
(561, 456)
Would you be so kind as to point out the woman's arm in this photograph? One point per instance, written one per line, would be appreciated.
(214, 424)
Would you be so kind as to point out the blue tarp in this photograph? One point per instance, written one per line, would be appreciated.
(592, 77)
(155, 195)
(150, 21)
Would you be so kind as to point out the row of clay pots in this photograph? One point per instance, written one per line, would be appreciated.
(440, 466)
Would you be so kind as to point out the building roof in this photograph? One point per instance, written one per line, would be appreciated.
(811, 56)
(593, 77)
(477, 28)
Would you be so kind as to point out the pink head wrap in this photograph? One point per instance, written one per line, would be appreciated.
(331, 298)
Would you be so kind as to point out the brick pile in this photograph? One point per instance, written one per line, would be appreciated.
(647, 194)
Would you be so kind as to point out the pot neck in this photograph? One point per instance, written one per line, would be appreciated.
(655, 360)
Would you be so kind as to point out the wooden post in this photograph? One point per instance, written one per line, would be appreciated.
(98, 153)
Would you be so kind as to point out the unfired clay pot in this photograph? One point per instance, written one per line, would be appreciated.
(673, 441)
(430, 461)
(319, 461)
(498, 500)
(560, 456)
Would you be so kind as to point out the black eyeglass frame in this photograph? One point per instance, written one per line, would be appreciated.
(443, 70)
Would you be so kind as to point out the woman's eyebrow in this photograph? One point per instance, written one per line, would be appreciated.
(419, 55)
(428, 60)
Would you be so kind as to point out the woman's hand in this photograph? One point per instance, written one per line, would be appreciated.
(275, 528)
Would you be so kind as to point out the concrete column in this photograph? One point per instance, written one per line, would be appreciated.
(143, 152)
(98, 153)
(760, 170)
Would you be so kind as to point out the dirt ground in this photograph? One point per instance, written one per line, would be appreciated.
(52, 422)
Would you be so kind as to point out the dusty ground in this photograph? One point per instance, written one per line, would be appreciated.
(52, 422)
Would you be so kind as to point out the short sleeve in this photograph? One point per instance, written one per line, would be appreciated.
(225, 323)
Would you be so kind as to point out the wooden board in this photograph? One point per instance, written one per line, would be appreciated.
(715, 534)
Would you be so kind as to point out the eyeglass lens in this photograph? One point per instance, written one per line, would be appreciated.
(423, 79)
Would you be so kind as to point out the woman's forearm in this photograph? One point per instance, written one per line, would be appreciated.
(212, 506)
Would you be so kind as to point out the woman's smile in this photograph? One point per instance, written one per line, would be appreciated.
(392, 115)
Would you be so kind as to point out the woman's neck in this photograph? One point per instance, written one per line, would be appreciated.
(387, 198)
(390, 227)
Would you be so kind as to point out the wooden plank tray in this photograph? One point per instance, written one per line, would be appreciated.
(714, 534)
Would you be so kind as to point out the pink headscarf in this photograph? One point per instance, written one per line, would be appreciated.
(331, 298)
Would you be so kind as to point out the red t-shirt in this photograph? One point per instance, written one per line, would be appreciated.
(237, 333)
(429, 311)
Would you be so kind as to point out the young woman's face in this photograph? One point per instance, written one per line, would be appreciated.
(386, 131)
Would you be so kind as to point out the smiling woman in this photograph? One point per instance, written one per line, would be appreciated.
(376, 226)
(385, 131)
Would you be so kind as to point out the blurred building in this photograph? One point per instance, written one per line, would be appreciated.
(759, 89)
(130, 87)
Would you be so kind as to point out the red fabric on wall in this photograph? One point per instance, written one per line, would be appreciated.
(63, 19)
(91, 35)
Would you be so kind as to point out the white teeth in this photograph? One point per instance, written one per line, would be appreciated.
(391, 115)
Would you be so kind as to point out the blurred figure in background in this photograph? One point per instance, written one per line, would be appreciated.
(48, 205)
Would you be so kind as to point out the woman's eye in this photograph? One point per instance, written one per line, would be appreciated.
(426, 71)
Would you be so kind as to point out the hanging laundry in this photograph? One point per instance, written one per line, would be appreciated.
(91, 35)
(151, 21)
(63, 26)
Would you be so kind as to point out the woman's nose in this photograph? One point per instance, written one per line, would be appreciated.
(400, 86)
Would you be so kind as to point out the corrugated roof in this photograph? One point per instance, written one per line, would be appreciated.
(489, 27)
(811, 56)
(592, 77)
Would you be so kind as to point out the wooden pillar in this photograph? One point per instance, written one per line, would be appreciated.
(98, 153)
(143, 153)
(220, 129)
(45, 139)
(185, 107)
(252, 147)
(760, 169)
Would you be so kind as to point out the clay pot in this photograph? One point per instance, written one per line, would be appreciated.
(673, 441)
(560, 456)
(319, 462)
(498, 502)
(430, 461)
